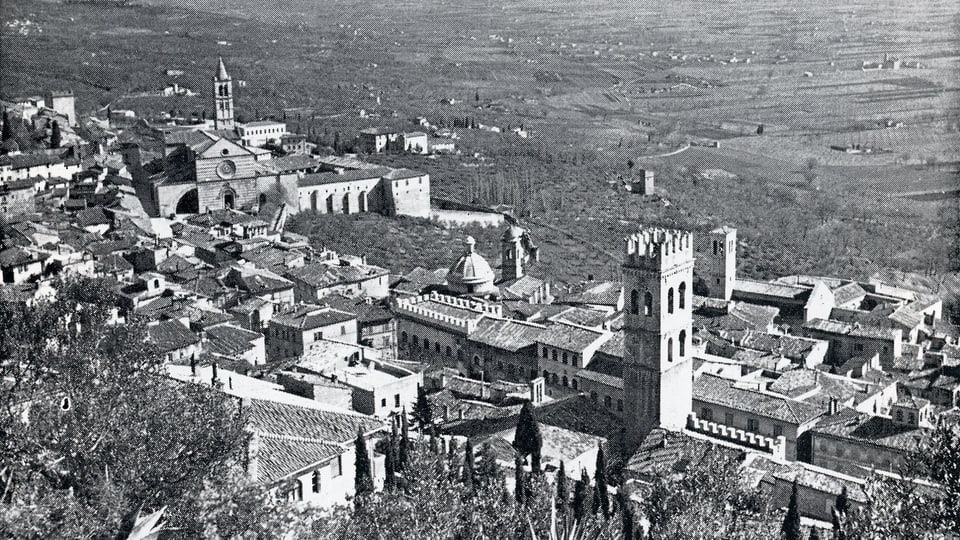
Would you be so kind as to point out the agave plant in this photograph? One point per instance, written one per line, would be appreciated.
(147, 527)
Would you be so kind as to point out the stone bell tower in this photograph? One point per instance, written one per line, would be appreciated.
(222, 99)
(658, 367)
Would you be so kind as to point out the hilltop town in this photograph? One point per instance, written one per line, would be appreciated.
(816, 383)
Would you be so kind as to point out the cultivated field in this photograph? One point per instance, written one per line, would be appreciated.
(597, 84)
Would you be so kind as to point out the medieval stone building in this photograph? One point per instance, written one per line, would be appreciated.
(658, 321)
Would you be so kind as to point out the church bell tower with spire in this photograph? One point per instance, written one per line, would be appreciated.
(222, 99)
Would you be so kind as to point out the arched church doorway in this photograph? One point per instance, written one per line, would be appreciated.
(229, 198)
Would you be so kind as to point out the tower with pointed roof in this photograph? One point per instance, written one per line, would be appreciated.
(222, 99)
(658, 320)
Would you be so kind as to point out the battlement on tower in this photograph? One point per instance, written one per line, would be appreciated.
(658, 249)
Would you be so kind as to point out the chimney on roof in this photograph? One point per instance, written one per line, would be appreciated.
(193, 365)
(833, 406)
(214, 379)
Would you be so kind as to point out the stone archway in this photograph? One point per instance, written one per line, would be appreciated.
(229, 198)
(189, 203)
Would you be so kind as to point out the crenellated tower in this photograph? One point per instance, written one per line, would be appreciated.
(658, 317)
(222, 99)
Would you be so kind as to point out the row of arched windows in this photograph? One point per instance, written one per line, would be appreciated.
(682, 346)
(425, 344)
(635, 305)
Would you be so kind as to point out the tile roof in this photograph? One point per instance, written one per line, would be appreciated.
(848, 293)
(279, 457)
(506, 334)
(612, 381)
(15, 256)
(91, 216)
(792, 347)
(520, 288)
(366, 312)
(570, 337)
(614, 346)
(769, 289)
(582, 316)
(604, 293)
(293, 163)
(878, 430)
(853, 329)
(171, 335)
(309, 317)
(719, 391)
(335, 427)
(316, 179)
(326, 275)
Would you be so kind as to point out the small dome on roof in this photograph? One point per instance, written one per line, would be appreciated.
(471, 273)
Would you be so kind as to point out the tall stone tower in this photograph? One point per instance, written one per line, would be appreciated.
(222, 99)
(717, 261)
(658, 367)
(512, 253)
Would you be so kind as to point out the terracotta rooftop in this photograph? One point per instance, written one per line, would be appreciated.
(571, 338)
(719, 391)
(506, 334)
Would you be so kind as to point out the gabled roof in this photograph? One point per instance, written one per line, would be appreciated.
(326, 275)
(171, 335)
(334, 427)
(719, 391)
(570, 337)
(280, 457)
(848, 293)
(324, 178)
(310, 317)
(506, 334)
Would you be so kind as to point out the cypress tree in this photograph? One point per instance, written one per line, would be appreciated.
(582, 501)
(814, 534)
(519, 478)
(363, 479)
(422, 411)
(434, 441)
(843, 502)
(7, 128)
(562, 493)
(404, 442)
(489, 472)
(476, 95)
(626, 514)
(791, 521)
(468, 463)
(55, 135)
(390, 482)
(601, 498)
(528, 441)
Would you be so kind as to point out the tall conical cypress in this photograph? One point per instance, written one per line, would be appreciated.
(843, 502)
(363, 479)
(520, 481)
(601, 497)
(468, 464)
(7, 128)
(404, 445)
(390, 481)
(791, 521)
(582, 500)
(626, 514)
(528, 441)
(562, 489)
(55, 135)
(422, 410)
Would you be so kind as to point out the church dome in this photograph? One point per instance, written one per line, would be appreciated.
(471, 273)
